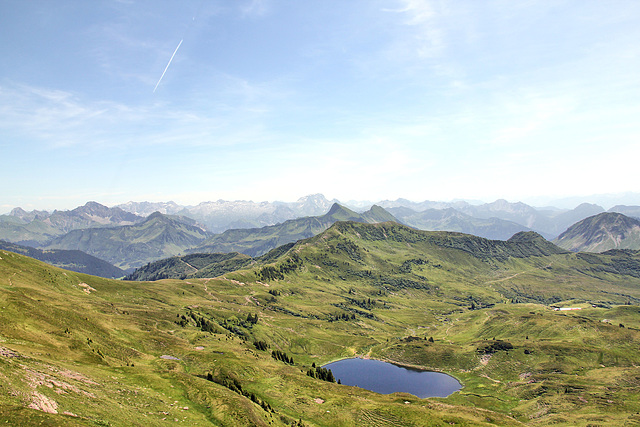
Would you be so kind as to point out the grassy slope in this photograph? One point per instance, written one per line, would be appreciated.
(77, 345)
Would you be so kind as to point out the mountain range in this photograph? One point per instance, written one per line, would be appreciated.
(158, 236)
(130, 240)
(38, 227)
(224, 215)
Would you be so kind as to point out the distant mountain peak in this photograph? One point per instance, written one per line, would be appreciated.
(601, 232)
(314, 197)
(19, 212)
(335, 208)
(157, 215)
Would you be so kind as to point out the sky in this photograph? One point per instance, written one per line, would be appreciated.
(264, 100)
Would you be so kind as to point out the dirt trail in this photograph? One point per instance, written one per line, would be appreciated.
(507, 278)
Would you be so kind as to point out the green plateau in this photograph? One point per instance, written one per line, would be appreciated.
(536, 335)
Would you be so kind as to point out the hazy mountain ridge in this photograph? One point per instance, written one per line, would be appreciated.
(222, 215)
(549, 221)
(144, 209)
(31, 233)
(450, 219)
(632, 211)
(38, 227)
(600, 233)
(92, 214)
(73, 260)
(158, 236)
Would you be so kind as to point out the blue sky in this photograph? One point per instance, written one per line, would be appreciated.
(274, 100)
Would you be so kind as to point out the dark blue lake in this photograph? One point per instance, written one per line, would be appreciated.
(385, 378)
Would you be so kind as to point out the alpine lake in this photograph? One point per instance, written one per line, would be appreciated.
(385, 378)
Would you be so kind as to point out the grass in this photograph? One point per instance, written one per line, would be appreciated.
(119, 353)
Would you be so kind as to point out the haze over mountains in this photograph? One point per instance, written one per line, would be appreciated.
(136, 233)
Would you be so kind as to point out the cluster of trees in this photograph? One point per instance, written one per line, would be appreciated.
(401, 283)
(270, 272)
(282, 356)
(182, 320)
(341, 316)
(348, 247)
(411, 338)
(407, 266)
(235, 385)
(291, 264)
(367, 304)
(252, 319)
(261, 345)
(495, 345)
(212, 326)
(204, 324)
(321, 373)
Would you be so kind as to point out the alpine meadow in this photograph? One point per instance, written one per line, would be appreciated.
(369, 213)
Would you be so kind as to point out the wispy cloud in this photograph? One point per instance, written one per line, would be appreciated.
(254, 8)
(57, 119)
(425, 37)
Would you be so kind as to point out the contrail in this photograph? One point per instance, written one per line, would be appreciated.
(167, 67)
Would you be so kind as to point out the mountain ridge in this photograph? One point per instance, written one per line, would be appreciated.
(158, 236)
(73, 260)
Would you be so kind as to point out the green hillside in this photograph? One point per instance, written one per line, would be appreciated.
(258, 241)
(191, 266)
(159, 236)
(199, 351)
